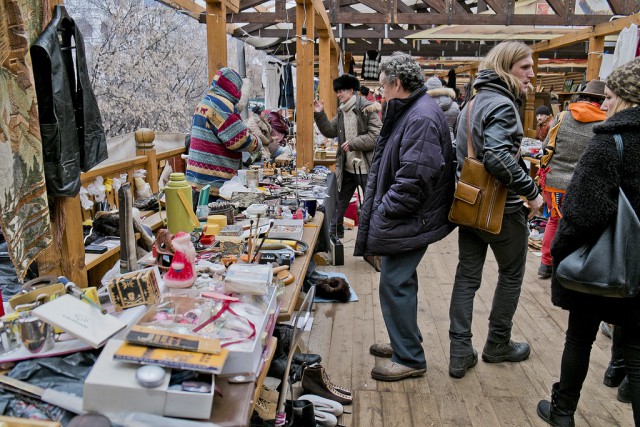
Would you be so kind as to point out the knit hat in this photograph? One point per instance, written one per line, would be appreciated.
(346, 81)
(433, 83)
(624, 81)
(594, 88)
(227, 84)
(543, 109)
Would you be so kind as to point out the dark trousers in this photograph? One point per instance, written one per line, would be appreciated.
(399, 304)
(581, 333)
(349, 183)
(510, 249)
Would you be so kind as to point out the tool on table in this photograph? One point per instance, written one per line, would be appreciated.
(262, 242)
(67, 401)
(77, 292)
(128, 259)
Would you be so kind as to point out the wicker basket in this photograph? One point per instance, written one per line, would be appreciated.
(223, 208)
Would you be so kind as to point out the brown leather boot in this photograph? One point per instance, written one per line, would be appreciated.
(316, 381)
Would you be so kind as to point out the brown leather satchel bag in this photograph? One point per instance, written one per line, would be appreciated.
(479, 198)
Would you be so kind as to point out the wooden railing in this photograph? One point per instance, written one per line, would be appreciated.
(68, 258)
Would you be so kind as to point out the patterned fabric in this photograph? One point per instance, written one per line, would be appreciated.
(370, 65)
(24, 212)
(350, 130)
(624, 81)
(218, 135)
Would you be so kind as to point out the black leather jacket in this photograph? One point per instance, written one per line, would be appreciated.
(73, 138)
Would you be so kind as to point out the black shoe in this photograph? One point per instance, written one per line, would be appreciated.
(559, 411)
(615, 373)
(507, 352)
(458, 365)
(544, 271)
(624, 391)
(306, 358)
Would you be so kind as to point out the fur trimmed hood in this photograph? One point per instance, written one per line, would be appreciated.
(442, 91)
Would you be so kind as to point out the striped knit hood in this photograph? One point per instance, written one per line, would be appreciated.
(228, 84)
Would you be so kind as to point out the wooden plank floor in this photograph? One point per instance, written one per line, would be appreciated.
(503, 394)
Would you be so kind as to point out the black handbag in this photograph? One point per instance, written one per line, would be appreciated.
(609, 267)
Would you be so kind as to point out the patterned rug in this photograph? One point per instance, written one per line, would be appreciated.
(24, 212)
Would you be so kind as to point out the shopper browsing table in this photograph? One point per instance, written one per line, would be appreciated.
(357, 127)
(503, 78)
(408, 196)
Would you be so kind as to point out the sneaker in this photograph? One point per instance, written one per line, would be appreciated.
(544, 271)
(458, 365)
(392, 371)
(381, 350)
(505, 352)
(606, 329)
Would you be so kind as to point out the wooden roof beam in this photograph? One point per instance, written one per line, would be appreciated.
(603, 29)
(624, 7)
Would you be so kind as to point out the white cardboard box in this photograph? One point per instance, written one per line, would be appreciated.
(111, 386)
(245, 357)
(291, 229)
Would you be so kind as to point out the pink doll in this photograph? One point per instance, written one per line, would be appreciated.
(181, 274)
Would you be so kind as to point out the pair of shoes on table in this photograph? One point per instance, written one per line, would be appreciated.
(505, 352)
(392, 371)
(544, 271)
(326, 411)
(458, 365)
(381, 350)
(315, 380)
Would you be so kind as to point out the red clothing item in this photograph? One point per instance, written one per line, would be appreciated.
(543, 129)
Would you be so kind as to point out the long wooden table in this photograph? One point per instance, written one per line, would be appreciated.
(235, 406)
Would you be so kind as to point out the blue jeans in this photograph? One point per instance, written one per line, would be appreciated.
(510, 249)
(399, 304)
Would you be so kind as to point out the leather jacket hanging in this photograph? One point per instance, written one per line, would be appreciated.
(73, 138)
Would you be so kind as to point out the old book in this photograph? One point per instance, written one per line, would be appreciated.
(80, 319)
(153, 337)
(179, 359)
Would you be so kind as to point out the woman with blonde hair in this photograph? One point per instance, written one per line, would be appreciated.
(590, 205)
(496, 133)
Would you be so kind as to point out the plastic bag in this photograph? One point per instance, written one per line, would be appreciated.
(234, 184)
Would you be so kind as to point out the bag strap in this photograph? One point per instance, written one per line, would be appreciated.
(471, 152)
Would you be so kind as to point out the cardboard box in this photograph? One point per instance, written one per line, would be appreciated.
(111, 386)
(290, 229)
(245, 357)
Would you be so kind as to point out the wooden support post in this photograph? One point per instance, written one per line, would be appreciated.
(594, 60)
(216, 36)
(68, 259)
(325, 89)
(334, 57)
(145, 147)
(305, 27)
(529, 116)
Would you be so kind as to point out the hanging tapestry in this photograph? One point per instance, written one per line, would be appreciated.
(24, 212)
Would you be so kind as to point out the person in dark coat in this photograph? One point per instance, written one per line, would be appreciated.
(590, 205)
(496, 133)
(408, 196)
